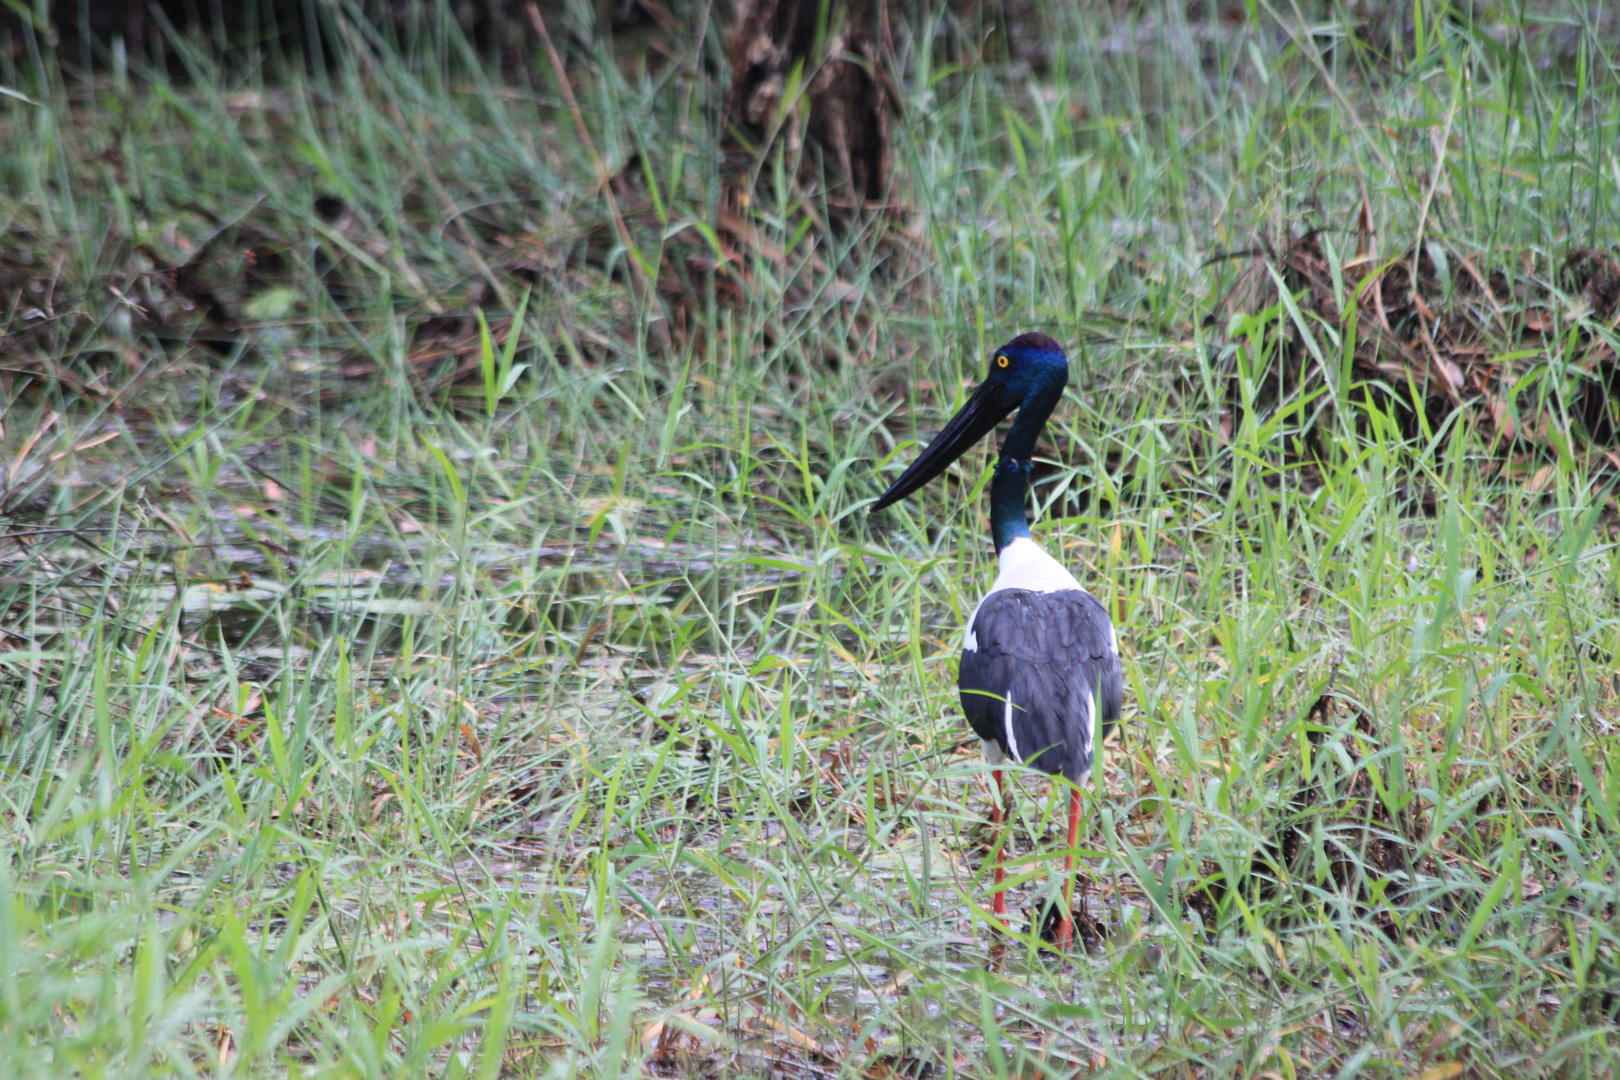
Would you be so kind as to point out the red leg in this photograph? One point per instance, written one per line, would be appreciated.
(999, 909)
(1066, 925)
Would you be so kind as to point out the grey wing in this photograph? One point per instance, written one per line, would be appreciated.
(1043, 679)
(1093, 646)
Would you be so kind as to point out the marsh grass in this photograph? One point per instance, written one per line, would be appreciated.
(529, 692)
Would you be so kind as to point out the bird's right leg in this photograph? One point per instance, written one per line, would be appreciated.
(1066, 926)
(999, 909)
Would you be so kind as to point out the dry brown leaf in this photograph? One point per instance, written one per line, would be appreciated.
(1444, 1071)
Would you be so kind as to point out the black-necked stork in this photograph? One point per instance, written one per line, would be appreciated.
(1040, 679)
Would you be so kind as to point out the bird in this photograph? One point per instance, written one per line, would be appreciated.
(1040, 680)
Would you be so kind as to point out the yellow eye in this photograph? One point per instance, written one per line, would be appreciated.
(1001, 360)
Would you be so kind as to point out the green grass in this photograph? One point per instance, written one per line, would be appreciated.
(575, 718)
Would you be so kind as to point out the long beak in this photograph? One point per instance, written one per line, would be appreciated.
(977, 419)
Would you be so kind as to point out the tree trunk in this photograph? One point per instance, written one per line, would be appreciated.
(829, 54)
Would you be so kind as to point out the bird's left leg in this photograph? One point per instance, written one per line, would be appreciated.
(999, 906)
(1065, 932)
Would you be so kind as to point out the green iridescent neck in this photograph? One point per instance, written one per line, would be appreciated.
(1009, 495)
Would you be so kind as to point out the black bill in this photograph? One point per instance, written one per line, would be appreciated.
(983, 411)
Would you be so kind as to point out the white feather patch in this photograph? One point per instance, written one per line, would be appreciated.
(1091, 725)
(1023, 565)
(1091, 736)
(1012, 741)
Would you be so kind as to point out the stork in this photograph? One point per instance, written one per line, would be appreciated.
(1040, 679)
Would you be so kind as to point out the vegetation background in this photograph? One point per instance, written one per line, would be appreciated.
(442, 630)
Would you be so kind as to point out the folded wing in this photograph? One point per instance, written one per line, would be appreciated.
(1043, 679)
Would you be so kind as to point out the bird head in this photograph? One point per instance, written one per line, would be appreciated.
(1028, 374)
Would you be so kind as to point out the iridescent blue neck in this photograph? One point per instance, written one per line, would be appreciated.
(1009, 488)
(1019, 445)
